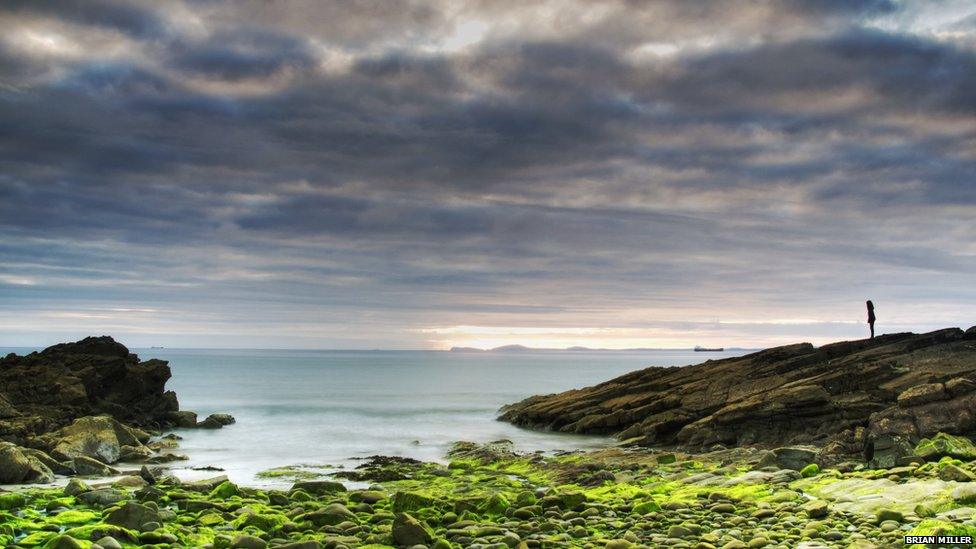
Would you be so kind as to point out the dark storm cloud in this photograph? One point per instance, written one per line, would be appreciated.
(371, 158)
(139, 21)
(847, 7)
(902, 72)
(243, 53)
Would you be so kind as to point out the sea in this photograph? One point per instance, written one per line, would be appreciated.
(320, 411)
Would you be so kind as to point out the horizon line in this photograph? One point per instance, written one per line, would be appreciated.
(460, 349)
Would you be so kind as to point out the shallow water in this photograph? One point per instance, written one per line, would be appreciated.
(326, 407)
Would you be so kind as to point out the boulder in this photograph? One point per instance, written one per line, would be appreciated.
(248, 542)
(225, 490)
(795, 458)
(216, 421)
(816, 509)
(885, 451)
(76, 487)
(108, 542)
(408, 531)
(64, 542)
(51, 463)
(410, 501)
(332, 514)
(205, 485)
(944, 445)
(18, 466)
(11, 500)
(147, 475)
(87, 466)
(102, 496)
(133, 515)
(134, 453)
(97, 437)
(182, 418)
(319, 487)
(130, 481)
(951, 472)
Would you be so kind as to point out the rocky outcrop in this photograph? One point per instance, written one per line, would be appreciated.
(873, 398)
(216, 421)
(46, 390)
(77, 407)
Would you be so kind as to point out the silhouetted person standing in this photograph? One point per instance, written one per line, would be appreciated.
(871, 318)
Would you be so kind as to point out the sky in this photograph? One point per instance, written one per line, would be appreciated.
(420, 175)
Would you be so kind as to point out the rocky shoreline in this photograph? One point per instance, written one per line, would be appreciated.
(489, 496)
(63, 413)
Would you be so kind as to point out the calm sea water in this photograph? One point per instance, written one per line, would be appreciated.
(324, 408)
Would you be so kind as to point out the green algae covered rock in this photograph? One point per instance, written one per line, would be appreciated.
(331, 515)
(262, 521)
(565, 500)
(310, 544)
(102, 496)
(816, 509)
(890, 514)
(408, 531)
(945, 445)
(66, 542)
(108, 542)
(367, 496)
(75, 516)
(98, 437)
(248, 542)
(410, 501)
(496, 504)
(811, 470)
(225, 490)
(952, 472)
(133, 516)
(76, 486)
(646, 507)
(319, 487)
(664, 459)
(12, 500)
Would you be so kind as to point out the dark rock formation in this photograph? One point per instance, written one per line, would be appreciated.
(216, 421)
(874, 398)
(44, 391)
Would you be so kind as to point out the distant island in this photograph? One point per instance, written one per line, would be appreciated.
(524, 349)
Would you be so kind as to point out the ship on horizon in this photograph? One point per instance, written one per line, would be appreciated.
(700, 349)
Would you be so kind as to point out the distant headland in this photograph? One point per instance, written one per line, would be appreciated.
(524, 349)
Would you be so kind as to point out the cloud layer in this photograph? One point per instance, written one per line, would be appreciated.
(613, 173)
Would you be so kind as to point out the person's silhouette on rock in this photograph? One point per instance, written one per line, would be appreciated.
(871, 317)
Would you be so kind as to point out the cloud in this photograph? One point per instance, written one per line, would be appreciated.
(243, 53)
(138, 21)
(644, 167)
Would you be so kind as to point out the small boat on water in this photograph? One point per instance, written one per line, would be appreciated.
(699, 349)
